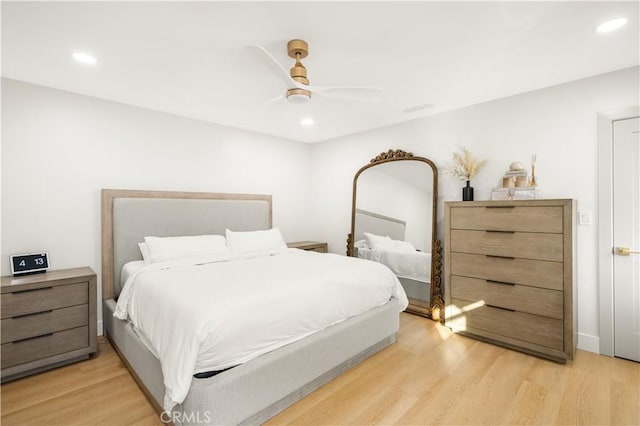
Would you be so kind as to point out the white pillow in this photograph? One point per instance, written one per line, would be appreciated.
(404, 246)
(240, 242)
(168, 248)
(361, 244)
(144, 251)
(377, 242)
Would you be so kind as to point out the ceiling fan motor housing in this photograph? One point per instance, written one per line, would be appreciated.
(298, 49)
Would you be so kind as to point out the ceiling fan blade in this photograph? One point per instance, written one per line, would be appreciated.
(282, 70)
(364, 94)
(271, 101)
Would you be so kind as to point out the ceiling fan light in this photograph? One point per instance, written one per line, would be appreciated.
(298, 98)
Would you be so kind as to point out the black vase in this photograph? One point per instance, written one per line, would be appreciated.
(467, 192)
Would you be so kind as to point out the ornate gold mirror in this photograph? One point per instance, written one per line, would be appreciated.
(393, 221)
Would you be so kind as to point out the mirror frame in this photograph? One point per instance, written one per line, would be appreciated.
(436, 308)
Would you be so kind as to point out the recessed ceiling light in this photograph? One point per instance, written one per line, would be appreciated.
(85, 58)
(307, 121)
(611, 25)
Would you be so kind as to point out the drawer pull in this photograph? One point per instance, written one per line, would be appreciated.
(34, 337)
(501, 232)
(33, 314)
(499, 207)
(499, 282)
(500, 257)
(500, 307)
(30, 290)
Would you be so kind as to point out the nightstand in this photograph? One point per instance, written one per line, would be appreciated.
(48, 320)
(309, 246)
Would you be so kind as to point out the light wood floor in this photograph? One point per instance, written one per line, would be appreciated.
(428, 377)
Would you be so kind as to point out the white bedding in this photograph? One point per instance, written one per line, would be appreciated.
(129, 269)
(415, 265)
(207, 314)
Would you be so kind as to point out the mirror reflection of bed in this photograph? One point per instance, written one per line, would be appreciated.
(383, 239)
(394, 204)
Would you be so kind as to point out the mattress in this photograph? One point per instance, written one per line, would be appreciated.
(211, 314)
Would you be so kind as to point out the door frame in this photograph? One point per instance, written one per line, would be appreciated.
(605, 222)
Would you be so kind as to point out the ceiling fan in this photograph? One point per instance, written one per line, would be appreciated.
(299, 90)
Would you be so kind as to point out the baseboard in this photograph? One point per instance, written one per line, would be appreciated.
(589, 343)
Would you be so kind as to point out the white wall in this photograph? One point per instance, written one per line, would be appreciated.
(59, 149)
(558, 123)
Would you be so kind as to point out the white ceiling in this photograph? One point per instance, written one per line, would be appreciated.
(193, 59)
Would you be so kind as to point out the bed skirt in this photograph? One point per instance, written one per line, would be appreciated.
(257, 390)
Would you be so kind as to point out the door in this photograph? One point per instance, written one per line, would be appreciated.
(626, 238)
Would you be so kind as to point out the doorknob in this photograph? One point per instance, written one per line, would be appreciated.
(625, 251)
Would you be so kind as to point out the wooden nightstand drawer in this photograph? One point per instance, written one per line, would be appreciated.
(536, 273)
(45, 298)
(37, 324)
(509, 218)
(517, 297)
(309, 246)
(23, 351)
(531, 328)
(524, 245)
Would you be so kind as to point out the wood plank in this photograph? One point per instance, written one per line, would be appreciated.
(523, 219)
(25, 351)
(532, 300)
(536, 273)
(522, 245)
(51, 278)
(429, 377)
(530, 328)
(23, 302)
(75, 395)
(43, 323)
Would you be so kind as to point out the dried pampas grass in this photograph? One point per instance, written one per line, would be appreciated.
(465, 166)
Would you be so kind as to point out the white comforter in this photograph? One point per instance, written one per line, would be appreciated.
(405, 264)
(212, 313)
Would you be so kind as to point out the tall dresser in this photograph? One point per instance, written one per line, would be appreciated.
(509, 274)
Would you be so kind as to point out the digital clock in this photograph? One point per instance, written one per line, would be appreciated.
(29, 263)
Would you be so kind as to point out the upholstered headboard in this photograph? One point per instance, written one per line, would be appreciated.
(128, 216)
(378, 224)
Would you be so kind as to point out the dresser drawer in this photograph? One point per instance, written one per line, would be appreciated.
(44, 299)
(543, 331)
(536, 273)
(35, 348)
(508, 218)
(548, 303)
(31, 325)
(526, 245)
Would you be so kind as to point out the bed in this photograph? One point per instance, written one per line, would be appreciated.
(413, 268)
(255, 390)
